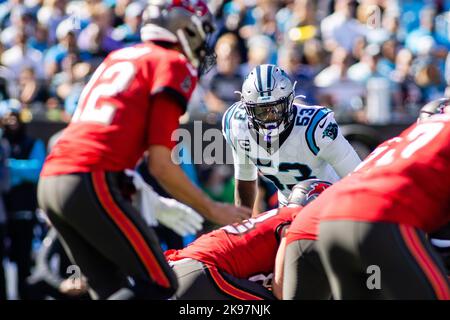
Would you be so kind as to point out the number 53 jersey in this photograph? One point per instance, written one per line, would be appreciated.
(110, 128)
(312, 146)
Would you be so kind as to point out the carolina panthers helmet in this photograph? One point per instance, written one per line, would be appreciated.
(187, 22)
(306, 191)
(268, 95)
(433, 107)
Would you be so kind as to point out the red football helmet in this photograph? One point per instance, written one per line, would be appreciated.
(306, 191)
(186, 22)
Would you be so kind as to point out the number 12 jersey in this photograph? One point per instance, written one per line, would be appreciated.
(110, 128)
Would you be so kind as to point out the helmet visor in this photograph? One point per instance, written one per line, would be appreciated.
(273, 112)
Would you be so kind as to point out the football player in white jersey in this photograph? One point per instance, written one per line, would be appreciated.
(285, 141)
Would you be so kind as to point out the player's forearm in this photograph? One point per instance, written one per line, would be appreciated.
(342, 157)
(277, 283)
(245, 193)
(175, 182)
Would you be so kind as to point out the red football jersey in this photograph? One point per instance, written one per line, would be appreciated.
(305, 226)
(241, 250)
(110, 128)
(405, 180)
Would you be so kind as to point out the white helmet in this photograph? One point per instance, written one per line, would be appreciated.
(187, 22)
(267, 95)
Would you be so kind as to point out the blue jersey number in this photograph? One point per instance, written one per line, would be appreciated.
(304, 117)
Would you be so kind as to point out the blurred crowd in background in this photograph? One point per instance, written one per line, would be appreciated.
(370, 61)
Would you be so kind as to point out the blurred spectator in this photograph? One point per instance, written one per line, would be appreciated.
(340, 28)
(51, 14)
(120, 8)
(428, 76)
(129, 32)
(21, 22)
(388, 30)
(358, 49)
(68, 84)
(386, 64)
(298, 14)
(54, 110)
(96, 38)
(67, 44)
(25, 162)
(338, 67)
(261, 49)
(424, 39)
(4, 185)
(314, 55)
(290, 60)
(222, 82)
(447, 74)
(5, 11)
(238, 14)
(367, 67)
(264, 21)
(407, 93)
(31, 91)
(39, 40)
(336, 90)
(4, 75)
(20, 56)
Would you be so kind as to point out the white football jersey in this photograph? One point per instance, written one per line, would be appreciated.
(311, 147)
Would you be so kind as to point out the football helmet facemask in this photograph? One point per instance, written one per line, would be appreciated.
(268, 95)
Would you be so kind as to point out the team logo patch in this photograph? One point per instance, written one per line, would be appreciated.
(331, 131)
(316, 190)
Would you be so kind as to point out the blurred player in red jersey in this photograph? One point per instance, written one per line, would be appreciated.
(372, 239)
(299, 274)
(228, 263)
(440, 240)
(131, 105)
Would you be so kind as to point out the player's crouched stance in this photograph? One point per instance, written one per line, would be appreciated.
(285, 141)
(299, 273)
(372, 234)
(237, 261)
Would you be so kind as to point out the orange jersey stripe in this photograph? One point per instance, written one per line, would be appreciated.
(129, 230)
(432, 272)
